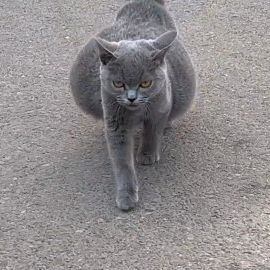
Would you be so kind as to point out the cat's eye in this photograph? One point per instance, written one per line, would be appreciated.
(146, 84)
(118, 84)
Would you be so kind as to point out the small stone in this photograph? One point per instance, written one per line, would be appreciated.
(100, 220)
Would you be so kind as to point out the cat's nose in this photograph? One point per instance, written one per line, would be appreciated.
(132, 95)
(132, 99)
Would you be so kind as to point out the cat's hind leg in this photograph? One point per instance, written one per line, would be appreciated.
(149, 149)
(85, 80)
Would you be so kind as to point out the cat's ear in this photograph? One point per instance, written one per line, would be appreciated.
(106, 50)
(162, 44)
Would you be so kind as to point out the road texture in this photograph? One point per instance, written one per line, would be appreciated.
(205, 206)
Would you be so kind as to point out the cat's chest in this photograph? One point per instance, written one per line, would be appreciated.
(133, 119)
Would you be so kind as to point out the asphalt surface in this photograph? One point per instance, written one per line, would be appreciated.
(205, 206)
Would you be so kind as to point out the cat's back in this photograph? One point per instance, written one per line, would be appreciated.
(140, 20)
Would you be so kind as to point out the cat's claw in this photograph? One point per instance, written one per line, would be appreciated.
(126, 201)
(147, 159)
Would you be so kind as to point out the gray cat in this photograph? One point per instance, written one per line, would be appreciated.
(134, 73)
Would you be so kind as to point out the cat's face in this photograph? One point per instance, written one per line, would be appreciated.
(133, 78)
(133, 71)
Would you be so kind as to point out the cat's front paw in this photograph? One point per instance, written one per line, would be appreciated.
(126, 201)
(146, 158)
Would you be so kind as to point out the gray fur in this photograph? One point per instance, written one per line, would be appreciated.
(141, 45)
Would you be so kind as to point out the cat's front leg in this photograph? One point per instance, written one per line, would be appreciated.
(120, 145)
(149, 150)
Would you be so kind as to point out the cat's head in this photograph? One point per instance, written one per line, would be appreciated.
(134, 71)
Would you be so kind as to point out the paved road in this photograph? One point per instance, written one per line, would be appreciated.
(205, 206)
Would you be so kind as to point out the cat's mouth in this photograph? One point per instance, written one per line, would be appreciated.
(132, 106)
